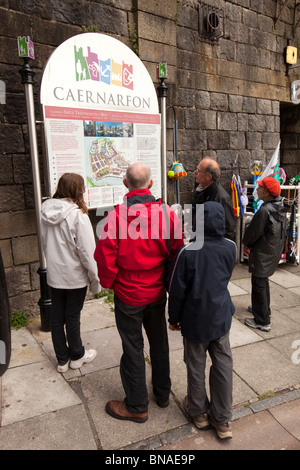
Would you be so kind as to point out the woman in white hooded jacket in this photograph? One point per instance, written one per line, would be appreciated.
(69, 245)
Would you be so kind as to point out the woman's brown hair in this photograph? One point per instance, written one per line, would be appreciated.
(71, 186)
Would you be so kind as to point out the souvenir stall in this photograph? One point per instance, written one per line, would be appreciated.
(250, 204)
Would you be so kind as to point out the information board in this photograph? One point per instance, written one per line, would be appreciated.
(100, 113)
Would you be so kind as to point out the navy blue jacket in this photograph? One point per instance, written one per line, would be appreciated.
(198, 293)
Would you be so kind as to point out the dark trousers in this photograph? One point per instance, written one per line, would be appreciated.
(220, 378)
(129, 321)
(66, 308)
(260, 299)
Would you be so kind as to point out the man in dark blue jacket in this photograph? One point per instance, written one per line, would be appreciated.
(200, 306)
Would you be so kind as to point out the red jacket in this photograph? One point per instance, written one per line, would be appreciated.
(133, 246)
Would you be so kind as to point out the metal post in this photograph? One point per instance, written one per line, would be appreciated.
(162, 93)
(177, 195)
(45, 301)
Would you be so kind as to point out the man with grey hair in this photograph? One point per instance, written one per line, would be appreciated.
(131, 255)
(208, 188)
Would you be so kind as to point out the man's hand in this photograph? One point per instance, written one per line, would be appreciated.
(175, 327)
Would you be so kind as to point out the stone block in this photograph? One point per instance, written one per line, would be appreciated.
(166, 9)
(253, 140)
(247, 54)
(192, 119)
(22, 169)
(237, 140)
(11, 138)
(185, 98)
(242, 121)
(194, 140)
(26, 302)
(6, 253)
(152, 27)
(25, 249)
(235, 103)
(202, 99)
(34, 276)
(208, 120)
(219, 101)
(244, 159)
(218, 140)
(270, 140)
(6, 170)
(11, 198)
(256, 123)
(18, 280)
(108, 19)
(157, 52)
(227, 50)
(250, 18)
(226, 121)
(14, 224)
(264, 106)
(249, 105)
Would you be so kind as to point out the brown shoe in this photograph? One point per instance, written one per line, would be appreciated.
(224, 431)
(118, 409)
(200, 421)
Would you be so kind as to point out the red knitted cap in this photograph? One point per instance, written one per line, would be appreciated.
(271, 185)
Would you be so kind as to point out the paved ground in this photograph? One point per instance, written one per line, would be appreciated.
(42, 409)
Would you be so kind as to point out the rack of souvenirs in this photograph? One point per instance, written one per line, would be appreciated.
(246, 203)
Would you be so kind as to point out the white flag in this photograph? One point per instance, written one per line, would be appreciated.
(272, 169)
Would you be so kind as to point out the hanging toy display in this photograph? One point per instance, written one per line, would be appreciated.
(177, 171)
(282, 176)
(256, 169)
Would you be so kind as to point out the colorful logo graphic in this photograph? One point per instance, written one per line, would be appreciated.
(108, 71)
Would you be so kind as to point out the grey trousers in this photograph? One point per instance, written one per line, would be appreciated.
(220, 378)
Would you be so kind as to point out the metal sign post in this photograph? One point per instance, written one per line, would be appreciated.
(26, 51)
(162, 74)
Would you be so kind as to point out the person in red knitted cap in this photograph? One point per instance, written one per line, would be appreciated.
(265, 236)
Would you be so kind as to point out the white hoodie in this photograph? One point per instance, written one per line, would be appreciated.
(69, 244)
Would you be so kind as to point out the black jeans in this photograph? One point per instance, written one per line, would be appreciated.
(66, 308)
(260, 299)
(129, 321)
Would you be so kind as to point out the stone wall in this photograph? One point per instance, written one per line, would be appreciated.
(227, 96)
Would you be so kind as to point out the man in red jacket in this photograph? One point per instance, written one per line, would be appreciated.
(131, 255)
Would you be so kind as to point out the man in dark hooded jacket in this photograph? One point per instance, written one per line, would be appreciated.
(208, 188)
(265, 237)
(200, 306)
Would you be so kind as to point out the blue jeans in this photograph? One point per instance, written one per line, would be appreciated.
(129, 321)
(66, 308)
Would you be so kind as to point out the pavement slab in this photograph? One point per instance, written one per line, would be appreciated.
(98, 388)
(39, 406)
(32, 390)
(64, 429)
(255, 432)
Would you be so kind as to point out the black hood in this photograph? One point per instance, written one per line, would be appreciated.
(277, 208)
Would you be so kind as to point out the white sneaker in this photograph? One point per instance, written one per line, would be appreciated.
(63, 368)
(89, 356)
